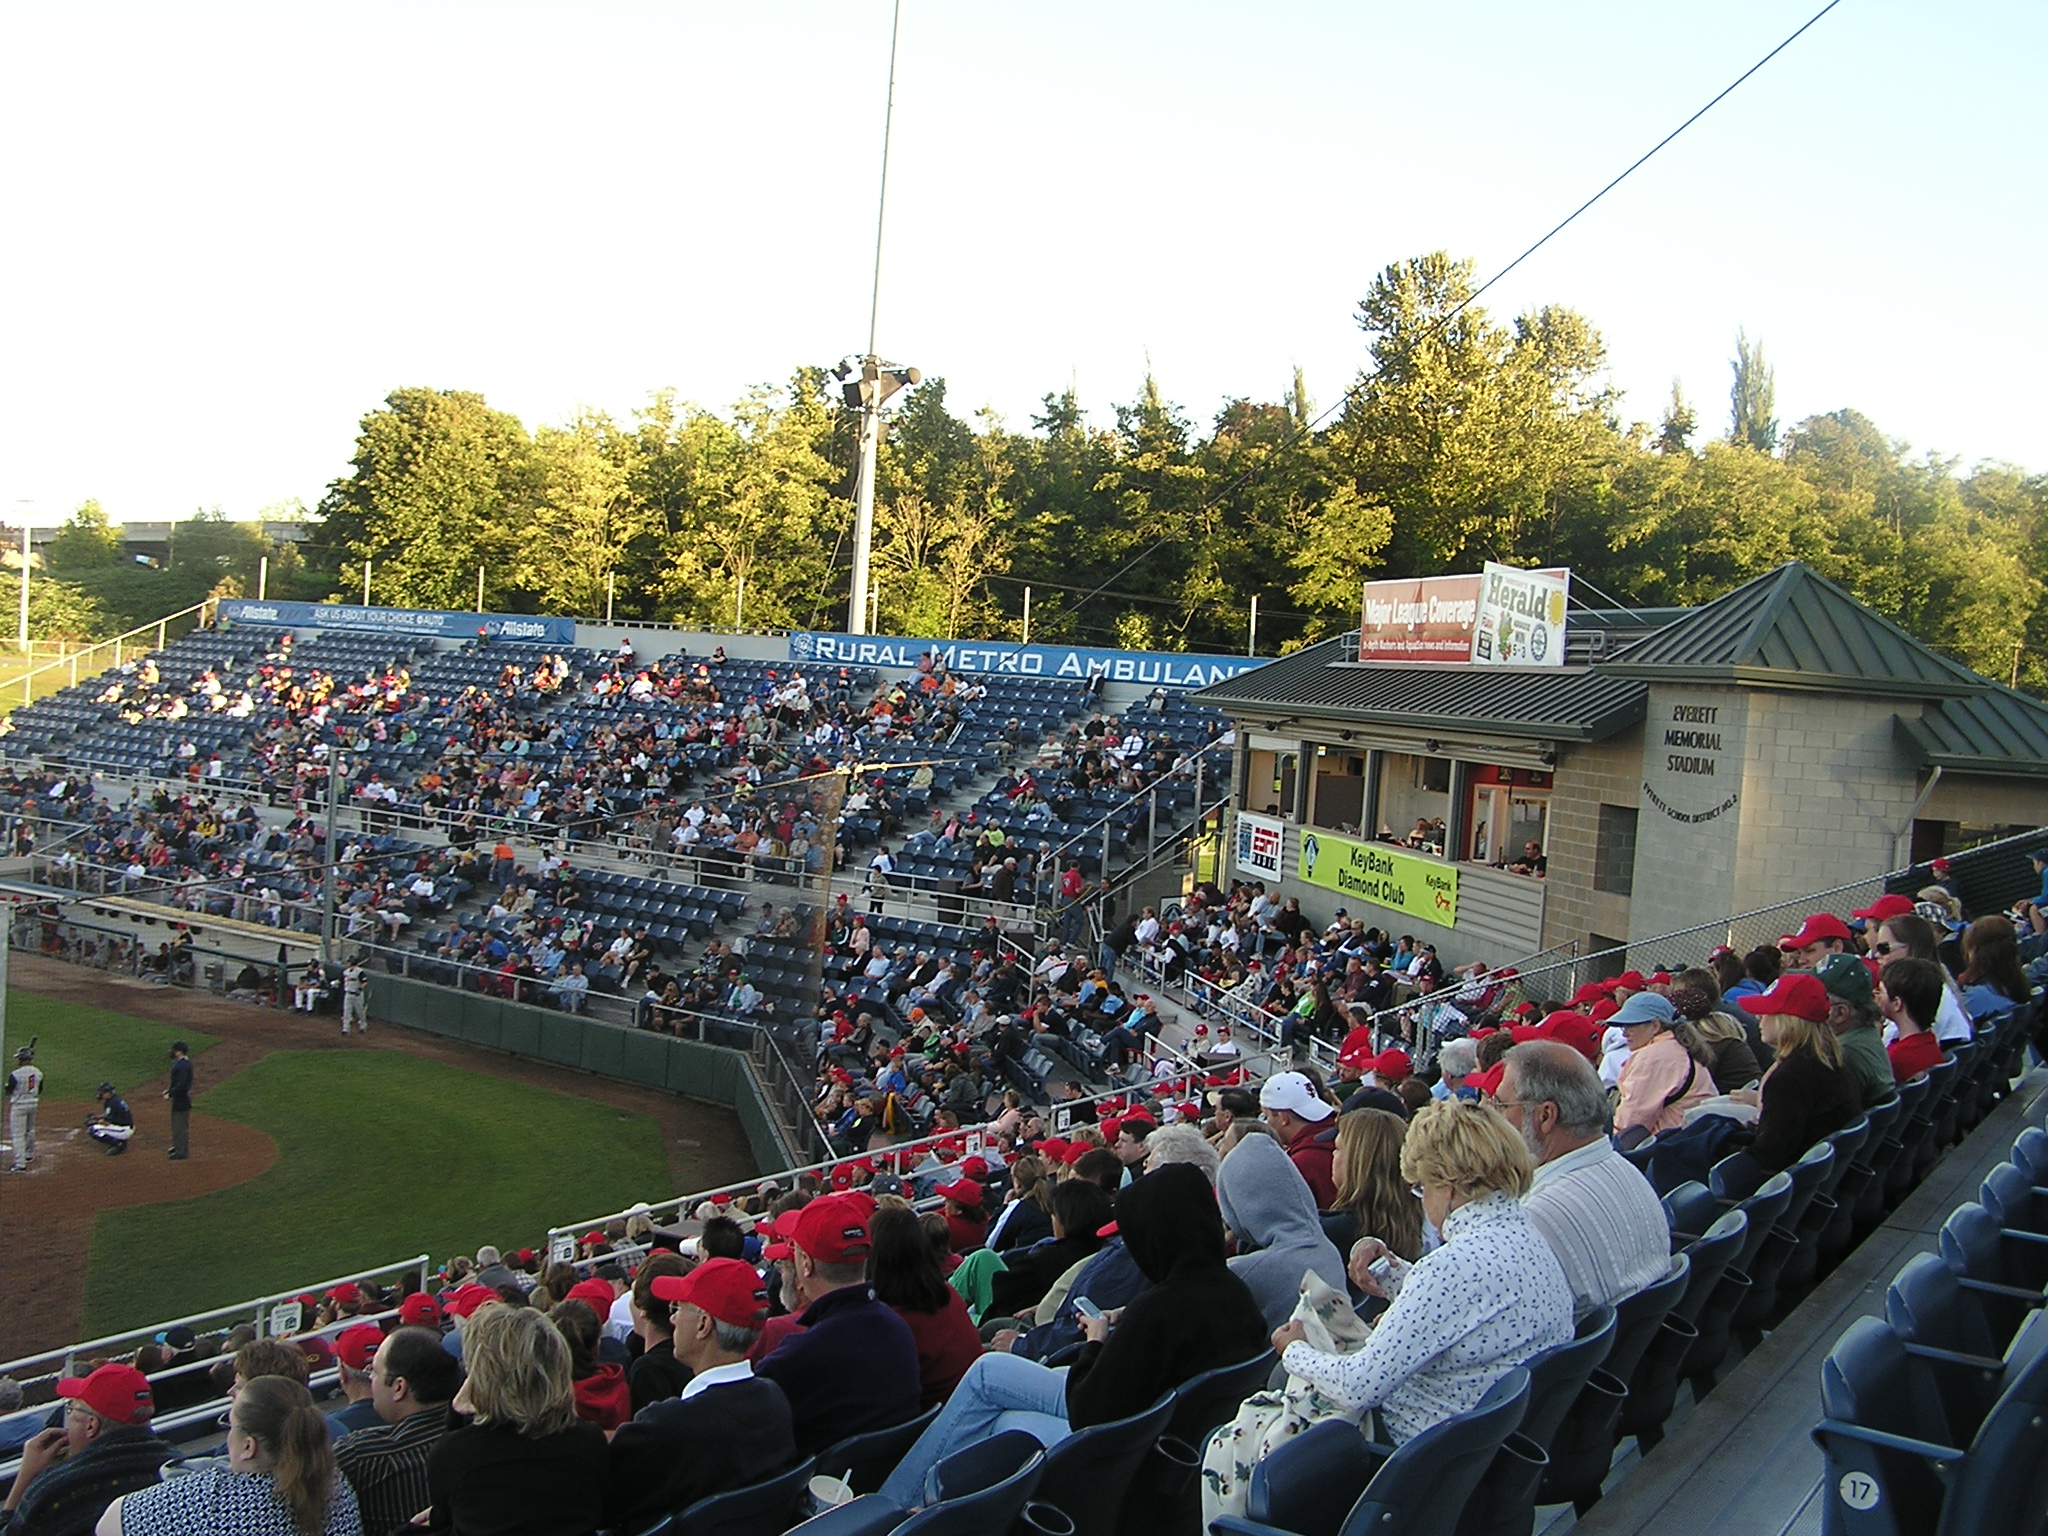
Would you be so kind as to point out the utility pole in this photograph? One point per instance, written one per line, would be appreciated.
(1026, 640)
(327, 877)
(366, 583)
(24, 586)
(479, 589)
(610, 590)
(1252, 644)
(262, 578)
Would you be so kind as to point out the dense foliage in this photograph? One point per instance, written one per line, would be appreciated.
(1464, 438)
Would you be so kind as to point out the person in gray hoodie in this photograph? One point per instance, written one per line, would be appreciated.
(1268, 1208)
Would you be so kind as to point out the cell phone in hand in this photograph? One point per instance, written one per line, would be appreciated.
(1086, 1307)
(1382, 1268)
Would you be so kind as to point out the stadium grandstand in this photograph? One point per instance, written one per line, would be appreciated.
(1507, 1241)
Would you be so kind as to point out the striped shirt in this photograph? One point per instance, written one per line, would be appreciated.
(387, 1468)
(1603, 1221)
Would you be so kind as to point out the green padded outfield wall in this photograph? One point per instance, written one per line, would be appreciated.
(713, 1072)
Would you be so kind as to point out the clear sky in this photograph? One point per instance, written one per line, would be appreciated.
(230, 229)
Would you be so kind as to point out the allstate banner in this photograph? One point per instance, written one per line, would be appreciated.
(423, 623)
(1259, 840)
(1154, 668)
(1385, 876)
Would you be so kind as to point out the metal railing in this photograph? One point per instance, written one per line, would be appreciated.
(201, 613)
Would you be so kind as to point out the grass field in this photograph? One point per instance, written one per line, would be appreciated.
(80, 1046)
(380, 1156)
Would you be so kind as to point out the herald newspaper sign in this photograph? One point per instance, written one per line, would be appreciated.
(1501, 617)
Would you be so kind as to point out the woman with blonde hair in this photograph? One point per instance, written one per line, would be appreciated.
(279, 1479)
(1696, 997)
(1809, 1092)
(526, 1463)
(1488, 1299)
(1372, 1197)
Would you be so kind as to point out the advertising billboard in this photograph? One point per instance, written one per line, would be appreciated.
(1501, 617)
(1383, 875)
(1258, 844)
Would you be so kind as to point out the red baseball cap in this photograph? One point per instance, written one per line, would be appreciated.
(1356, 1050)
(466, 1299)
(1822, 925)
(117, 1393)
(353, 1347)
(961, 1192)
(1075, 1152)
(726, 1289)
(1633, 980)
(1800, 994)
(1591, 992)
(1488, 1082)
(974, 1167)
(1138, 1117)
(1392, 1062)
(347, 1293)
(598, 1293)
(1884, 909)
(1573, 1029)
(1606, 1008)
(420, 1310)
(833, 1229)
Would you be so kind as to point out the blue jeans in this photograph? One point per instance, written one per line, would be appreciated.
(998, 1392)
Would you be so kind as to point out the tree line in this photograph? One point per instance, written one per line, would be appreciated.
(1464, 438)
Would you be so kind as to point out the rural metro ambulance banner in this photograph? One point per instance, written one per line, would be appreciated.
(1386, 876)
(1152, 668)
(1501, 617)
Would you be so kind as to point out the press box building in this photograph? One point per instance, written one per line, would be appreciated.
(1683, 763)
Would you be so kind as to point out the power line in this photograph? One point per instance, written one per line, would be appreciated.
(1252, 471)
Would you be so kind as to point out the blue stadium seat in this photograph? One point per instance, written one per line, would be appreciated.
(1504, 1503)
(864, 1462)
(980, 1489)
(764, 1509)
(1087, 1474)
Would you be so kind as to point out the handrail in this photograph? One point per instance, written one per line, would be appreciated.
(205, 609)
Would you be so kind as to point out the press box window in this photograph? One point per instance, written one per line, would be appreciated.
(1614, 862)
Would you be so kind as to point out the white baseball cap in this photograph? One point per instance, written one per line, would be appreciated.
(1293, 1092)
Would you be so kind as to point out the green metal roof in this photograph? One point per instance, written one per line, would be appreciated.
(1323, 682)
(1998, 731)
(1793, 628)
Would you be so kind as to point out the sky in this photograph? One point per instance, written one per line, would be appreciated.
(231, 229)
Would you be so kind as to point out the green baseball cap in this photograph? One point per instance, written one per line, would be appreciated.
(1845, 977)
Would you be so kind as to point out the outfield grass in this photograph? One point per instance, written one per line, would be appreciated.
(380, 1156)
(79, 1046)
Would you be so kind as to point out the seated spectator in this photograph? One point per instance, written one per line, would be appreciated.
(1079, 1212)
(354, 1348)
(1667, 1073)
(1600, 1216)
(1456, 1060)
(1192, 1316)
(1300, 1118)
(1267, 1208)
(1696, 997)
(1808, 1092)
(602, 1396)
(853, 1366)
(525, 1462)
(69, 1476)
(412, 1381)
(964, 1225)
(1373, 1199)
(1992, 979)
(1909, 995)
(1911, 937)
(655, 1374)
(904, 1270)
(1491, 1297)
(1026, 1216)
(279, 1478)
(728, 1428)
(1853, 1016)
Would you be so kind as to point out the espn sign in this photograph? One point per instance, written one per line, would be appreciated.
(1259, 841)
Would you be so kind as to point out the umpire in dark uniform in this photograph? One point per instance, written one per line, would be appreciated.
(180, 1095)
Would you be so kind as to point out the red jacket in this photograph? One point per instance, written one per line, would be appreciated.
(1314, 1155)
(603, 1398)
(964, 1231)
(947, 1343)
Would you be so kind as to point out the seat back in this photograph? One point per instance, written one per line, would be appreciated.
(989, 1510)
(1763, 1208)
(2030, 1154)
(1312, 1481)
(1637, 1318)
(1422, 1489)
(864, 1462)
(1165, 1482)
(1870, 1486)
(2009, 1196)
(1504, 1503)
(980, 1465)
(1086, 1474)
(762, 1509)
(1205, 1401)
(2003, 1484)
(1690, 1209)
(1710, 1254)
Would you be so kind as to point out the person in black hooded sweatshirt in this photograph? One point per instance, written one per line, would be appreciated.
(1193, 1316)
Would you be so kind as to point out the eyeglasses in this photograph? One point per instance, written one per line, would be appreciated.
(1882, 949)
(1417, 1191)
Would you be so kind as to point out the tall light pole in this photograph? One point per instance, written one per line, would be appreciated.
(873, 386)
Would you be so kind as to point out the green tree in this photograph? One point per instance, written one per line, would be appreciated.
(440, 484)
(1752, 398)
(588, 515)
(86, 542)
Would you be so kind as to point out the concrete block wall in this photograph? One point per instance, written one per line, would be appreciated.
(1692, 795)
(1606, 772)
(1826, 797)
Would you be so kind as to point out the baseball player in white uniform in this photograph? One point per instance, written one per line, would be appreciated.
(355, 997)
(24, 1090)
